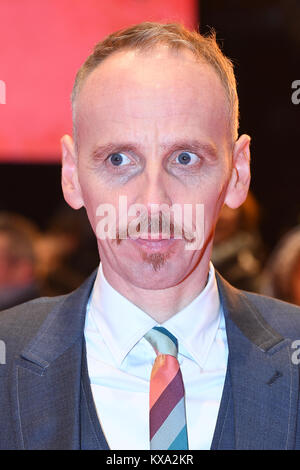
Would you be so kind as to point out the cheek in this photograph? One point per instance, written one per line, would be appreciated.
(102, 210)
(92, 200)
(92, 192)
(213, 199)
(213, 204)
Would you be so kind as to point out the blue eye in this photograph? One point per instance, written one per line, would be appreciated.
(118, 159)
(186, 157)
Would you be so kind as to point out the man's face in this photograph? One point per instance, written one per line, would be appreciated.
(153, 128)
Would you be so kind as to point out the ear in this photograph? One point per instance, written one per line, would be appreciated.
(69, 175)
(239, 183)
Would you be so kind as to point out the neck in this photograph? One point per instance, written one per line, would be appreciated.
(162, 304)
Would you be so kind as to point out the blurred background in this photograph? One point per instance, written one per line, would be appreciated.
(46, 248)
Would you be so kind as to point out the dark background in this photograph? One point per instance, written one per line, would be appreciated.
(263, 40)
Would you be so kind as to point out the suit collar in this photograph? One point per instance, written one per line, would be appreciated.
(246, 317)
(61, 328)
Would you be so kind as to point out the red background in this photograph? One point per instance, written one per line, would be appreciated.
(42, 44)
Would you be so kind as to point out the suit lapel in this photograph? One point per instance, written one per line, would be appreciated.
(46, 378)
(263, 379)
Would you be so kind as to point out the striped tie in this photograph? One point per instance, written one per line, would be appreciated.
(167, 408)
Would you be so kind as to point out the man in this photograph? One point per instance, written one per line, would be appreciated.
(155, 350)
(18, 264)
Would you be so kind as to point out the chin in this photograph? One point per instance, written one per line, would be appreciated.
(156, 277)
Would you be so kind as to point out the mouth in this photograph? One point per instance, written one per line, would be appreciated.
(160, 243)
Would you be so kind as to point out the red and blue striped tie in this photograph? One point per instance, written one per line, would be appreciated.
(168, 429)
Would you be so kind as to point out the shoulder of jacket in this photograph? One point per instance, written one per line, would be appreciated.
(283, 316)
(22, 321)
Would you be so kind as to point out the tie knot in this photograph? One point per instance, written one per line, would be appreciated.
(162, 341)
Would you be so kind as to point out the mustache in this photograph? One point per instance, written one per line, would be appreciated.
(155, 225)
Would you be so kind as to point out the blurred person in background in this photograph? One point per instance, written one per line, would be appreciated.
(238, 251)
(18, 276)
(66, 252)
(281, 275)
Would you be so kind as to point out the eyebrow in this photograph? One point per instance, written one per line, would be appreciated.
(191, 144)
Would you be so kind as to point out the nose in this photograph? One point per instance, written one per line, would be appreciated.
(154, 190)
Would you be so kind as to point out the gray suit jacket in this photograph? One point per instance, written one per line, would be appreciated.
(43, 394)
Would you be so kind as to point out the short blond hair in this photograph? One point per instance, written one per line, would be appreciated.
(145, 36)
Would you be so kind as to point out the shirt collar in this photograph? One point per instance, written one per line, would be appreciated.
(122, 324)
(195, 326)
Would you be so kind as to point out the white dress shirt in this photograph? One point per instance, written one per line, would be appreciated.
(120, 360)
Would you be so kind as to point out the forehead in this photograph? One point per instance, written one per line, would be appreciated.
(161, 91)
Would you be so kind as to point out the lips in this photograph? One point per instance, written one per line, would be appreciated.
(159, 244)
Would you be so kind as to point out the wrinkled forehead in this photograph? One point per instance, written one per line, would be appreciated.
(132, 89)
